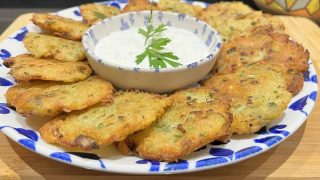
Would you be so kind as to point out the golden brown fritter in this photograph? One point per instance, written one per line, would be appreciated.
(52, 98)
(218, 13)
(102, 125)
(26, 67)
(254, 19)
(60, 26)
(227, 10)
(13, 94)
(231, 18)
(179, 7)
(93, 13)
(46, 46)
(295, 81)
(263, 43)
(139, 5)
(258, 92)
(197, 117)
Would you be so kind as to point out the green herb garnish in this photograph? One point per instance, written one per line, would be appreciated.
(154, 51)
(99, 15)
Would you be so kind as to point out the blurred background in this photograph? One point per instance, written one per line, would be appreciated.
(11, 9)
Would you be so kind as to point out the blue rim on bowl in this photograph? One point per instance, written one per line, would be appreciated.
(213, 51)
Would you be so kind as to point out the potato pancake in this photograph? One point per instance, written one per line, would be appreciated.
(263, 43)
(46, 46)
(258, 92)
(139, 5)
(231, 18)
(52, 98)
(60, 26)
(179, 7)
(229, 10)
(197, 117)
(26, 67)
(102, 125)
(93, 13)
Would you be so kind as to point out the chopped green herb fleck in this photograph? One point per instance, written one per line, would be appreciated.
(99, 15)
(50, 22)
(163, 127)
(178, 136)
(272, 104)
(100, 125)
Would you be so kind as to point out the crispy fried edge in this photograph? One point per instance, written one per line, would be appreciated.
(274, 67)
(295, 79)
(90, 7)
(9, 63)
(52, 126)
(37, 20)
(129, 148)
(139, 5)
(19, 104)
(53, 54)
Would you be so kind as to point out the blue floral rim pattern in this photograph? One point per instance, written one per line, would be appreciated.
(213, 40)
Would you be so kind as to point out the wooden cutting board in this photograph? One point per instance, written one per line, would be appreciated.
(297, 157)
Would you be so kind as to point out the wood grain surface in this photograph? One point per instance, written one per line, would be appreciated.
(297, 157)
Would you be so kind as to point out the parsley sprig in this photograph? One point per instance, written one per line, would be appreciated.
(154, 51)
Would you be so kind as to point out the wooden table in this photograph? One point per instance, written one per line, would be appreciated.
(297, 157)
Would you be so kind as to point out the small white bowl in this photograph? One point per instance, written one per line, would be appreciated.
(149, 79)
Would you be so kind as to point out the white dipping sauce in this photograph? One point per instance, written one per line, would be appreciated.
(122, 47)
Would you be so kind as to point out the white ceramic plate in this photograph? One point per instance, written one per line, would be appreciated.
(25, 131)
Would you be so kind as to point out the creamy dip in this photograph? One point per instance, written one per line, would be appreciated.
(122, 47)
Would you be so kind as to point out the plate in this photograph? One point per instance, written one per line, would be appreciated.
(240, 147)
